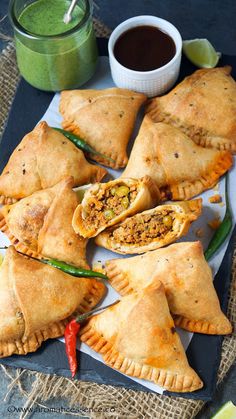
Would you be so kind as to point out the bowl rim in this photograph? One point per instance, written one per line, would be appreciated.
(140, 21)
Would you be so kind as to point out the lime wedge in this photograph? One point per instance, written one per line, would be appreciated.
(227, 411)
(201, 53)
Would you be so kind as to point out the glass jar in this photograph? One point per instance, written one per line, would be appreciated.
(55, 62)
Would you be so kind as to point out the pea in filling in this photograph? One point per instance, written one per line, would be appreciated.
(143, 229)
(108, 203)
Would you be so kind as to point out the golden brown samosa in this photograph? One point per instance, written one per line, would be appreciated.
(40, 225)
(37, 301)
(203, 107)
(180, 168)
(104, 119)
(187, 279)
(138, 338)
(43, 158)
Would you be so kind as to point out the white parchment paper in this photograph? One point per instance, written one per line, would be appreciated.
(103, 80)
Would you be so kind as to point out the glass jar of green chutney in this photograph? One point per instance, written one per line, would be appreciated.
(52, 55)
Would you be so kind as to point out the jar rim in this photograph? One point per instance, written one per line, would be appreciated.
(16, 24)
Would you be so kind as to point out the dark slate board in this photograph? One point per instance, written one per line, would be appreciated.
(203, 353)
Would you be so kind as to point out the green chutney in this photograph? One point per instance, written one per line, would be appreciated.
(51, 55)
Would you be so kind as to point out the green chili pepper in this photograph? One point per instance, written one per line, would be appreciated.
(80, 143)
(72, 270)
(69, 269)
(223, 230)
(65, 267)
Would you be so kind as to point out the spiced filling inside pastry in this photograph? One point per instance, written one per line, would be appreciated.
(106, 204)
(145, 228)
(151, 229)
(109, 203)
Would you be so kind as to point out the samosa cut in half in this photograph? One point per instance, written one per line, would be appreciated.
(106, 204)
(151, 229)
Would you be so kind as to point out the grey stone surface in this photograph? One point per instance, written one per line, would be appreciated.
(212, 19)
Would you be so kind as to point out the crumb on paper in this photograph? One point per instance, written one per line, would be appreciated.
(199, 232)
(215, 199)
(215, 223)
(98, 267)
(216, 187)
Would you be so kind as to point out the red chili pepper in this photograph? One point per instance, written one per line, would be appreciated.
(71, 332)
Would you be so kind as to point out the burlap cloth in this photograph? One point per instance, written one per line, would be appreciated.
(114, 402)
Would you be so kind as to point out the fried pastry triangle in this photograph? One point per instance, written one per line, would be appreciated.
(43, 158)
(37, 301)
(103, 118)
(203, 106)
(180, 168)
(40, 224)
(137, 337)
(151, 229)
(188, 282)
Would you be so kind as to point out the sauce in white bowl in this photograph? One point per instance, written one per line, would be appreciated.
(150, 82)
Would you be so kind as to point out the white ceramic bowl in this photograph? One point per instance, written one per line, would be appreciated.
(152, 83)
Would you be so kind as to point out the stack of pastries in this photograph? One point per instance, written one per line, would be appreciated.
(183, 147)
